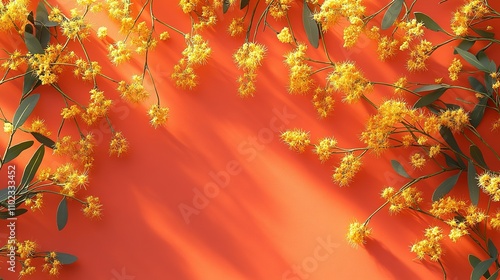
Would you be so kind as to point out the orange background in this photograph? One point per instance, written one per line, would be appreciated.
(275, 209)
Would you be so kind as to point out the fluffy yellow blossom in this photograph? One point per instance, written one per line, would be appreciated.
(87, 71)
(15, 60)
(386, 47)
(419, 55)
(35, 203)
(8, 127)
(98, 107)
(300, 80)
(164, 35)
(284, 36)
(102, 32)
(358, 233)
(490, 184)
(412, 29)
(119, 52)
(133, 92)
(158, 115)
(248, 57)
(446, 206)
(352, 32)
(278, 8)
(118, 9)
(432, 124)
(236, 27)
(345, 172)
(92, 208)
(495, 221)
(465, 14)
(456, 120)
(47, 66)
(296, 139)
(429, 246)
(325, 148)
(417, 160)
(75, 28)
(323, 102)
(197, 51)
(118, 144)
(409, 197)
(454, 69)
(434, 151)
(349, 80)
(208, 18)
(188, 6)
(13, 14)
(399, 85)
(332, 10)
(184, 75)
(26, 249)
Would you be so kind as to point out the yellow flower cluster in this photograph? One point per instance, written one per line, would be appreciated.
(358, 233)
(26, 249)
(490, 184)
(386, 47)
(323, 101)
(75, 28)
(300, 80)
(331, 10)
(143, 39)
(248, 58)
(92, 208)
(297, 139)
(133, 92)
(196, 53)
(87, 71)
(8, 127)
(456, 120)
(27, 269)
(208, 18)
(380, 126)
(119, 52)
(236, 27)
(408, 198)
(419, 55)
(118, 9)
(278, 8)
(52, 264)
(349, 80)
(345, 172)
(13, 13)
(454, 69)
(464, 15)
(446, 206)
(36, 203)
(430, 246)
(417, 160)
(118, 144)
(47, 66)
(325, 148)
(69, 178)
(15, 60)
(79, 151)
(412, 29)
(98, 107)
(284, 36)
(158, 115)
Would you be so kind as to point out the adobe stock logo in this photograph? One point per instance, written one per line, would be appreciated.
(323, 250)
(249, 149)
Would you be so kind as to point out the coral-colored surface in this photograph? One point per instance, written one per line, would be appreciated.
(252, 208)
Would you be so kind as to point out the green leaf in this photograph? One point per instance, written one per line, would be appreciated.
(477, 113)
(310, 26)
(481, 269)
(474, 261)
(450, 161)
(33, 44)
(494, 276)
(483, 33)
(244, 3)
(472, 59)
(472, 183)
(32, 167)
(492, 249)
(445, 187)
(450, 140)
(62, 214)
(429, 88)
(15, 150)
(42, 16)
(225, 6)
(464, 45)
(392, 13)
(24, 110)
(12, 213)
(65, 258)
(427, 21)
(477, 155)
(44, 140)
(30, 82)
(429, 98)
(4, 194)
(399, 168)
(485, 60)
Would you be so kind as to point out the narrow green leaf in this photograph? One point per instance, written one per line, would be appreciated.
(492, 249)
(450, 161)
(12, 213)
(225, 6)
(43, 35)
(476, 115)
(445, 187)
(15, 150)
(476, 85)
(244, 3)
(32, 167)
(65, 258)
(399, 168)
(24, 110)
(310, 26)
(477, 155)
(429, 88)
(32, 44)
(464, 45)
(483, 33)
(472, 183)
(392, 13)
(429, 98)
(485, 60)
(62, 214)
(44, 140)
(4, 194)
(494, 276)
(481, 269)
(427, 21)
(450, 140)
(42, 16)
(472, 59)
(30, 81)
(488, 81)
